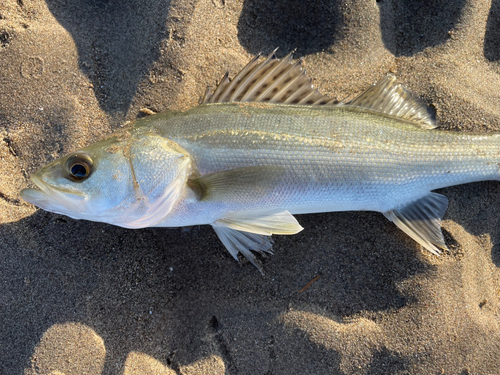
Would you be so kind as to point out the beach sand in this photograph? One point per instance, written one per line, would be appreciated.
(78, 297)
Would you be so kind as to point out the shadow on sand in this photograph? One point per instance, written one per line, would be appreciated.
(289, 25)
(407, 27)
(491, 44)
(117, 43)
(159, 291)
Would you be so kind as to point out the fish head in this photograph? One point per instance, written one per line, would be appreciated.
(132, 182)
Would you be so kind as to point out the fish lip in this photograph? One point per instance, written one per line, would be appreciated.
(29, 193)
(50, 199)
(40, 184)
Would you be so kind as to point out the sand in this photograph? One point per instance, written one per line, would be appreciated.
(87, 298)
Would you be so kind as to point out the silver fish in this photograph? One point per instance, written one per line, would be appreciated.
(266, 146)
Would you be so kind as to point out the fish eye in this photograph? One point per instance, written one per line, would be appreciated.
(79, 166)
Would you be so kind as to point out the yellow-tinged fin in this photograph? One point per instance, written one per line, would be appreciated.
(269, 81)
(421, 220)
(242, 242)
(233, 184)
(393, 99)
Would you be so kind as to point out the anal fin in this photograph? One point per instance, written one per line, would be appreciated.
(421, 220)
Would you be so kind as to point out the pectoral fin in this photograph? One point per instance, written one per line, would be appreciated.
(241, 232)
(235, 184)
(421, 220)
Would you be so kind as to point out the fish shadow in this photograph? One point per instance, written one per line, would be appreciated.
(168, 284)
(57, 270)
(359, 258)
(117, 42)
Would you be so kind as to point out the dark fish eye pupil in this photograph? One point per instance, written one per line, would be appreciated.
(78, 166)
(78, 170)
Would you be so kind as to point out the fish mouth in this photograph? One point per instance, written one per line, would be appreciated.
(52, 199)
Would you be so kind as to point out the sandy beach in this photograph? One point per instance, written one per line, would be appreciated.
(351, 294)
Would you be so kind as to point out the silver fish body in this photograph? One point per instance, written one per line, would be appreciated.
(336, 159)
(246, 167)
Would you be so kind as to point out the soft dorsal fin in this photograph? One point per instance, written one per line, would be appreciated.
(269, 81)
(393, 99)
(421, 220)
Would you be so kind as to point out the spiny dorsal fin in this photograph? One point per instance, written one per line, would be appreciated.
(393, 99)
(270, 81)
(421, 220)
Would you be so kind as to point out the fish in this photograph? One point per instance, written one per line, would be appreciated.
(263, 147)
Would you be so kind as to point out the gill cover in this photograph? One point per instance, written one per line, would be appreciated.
(159, 169)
